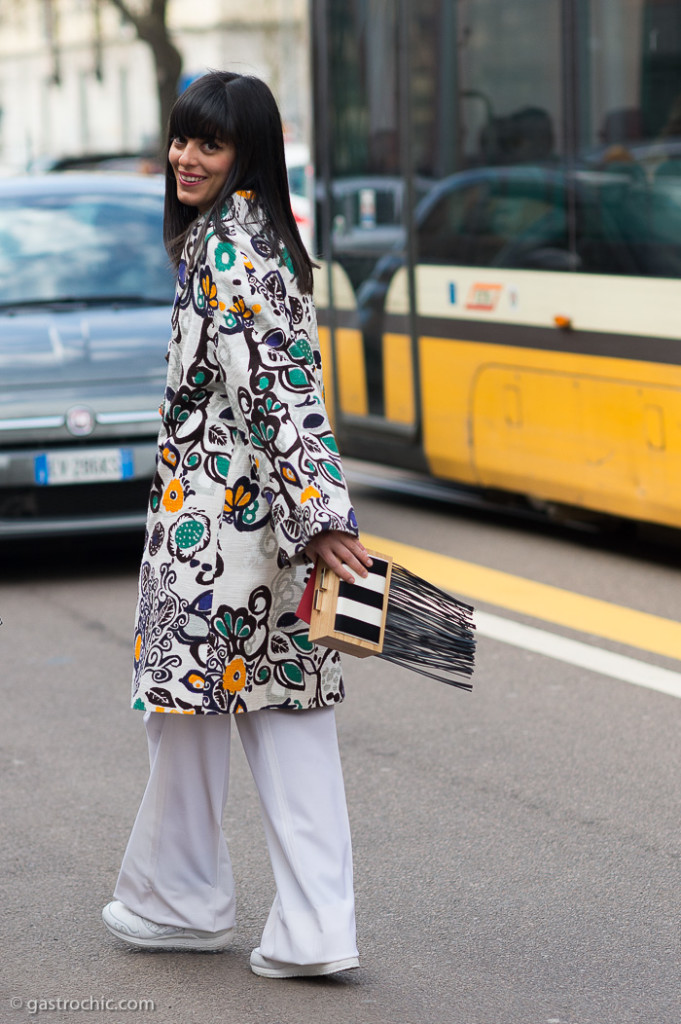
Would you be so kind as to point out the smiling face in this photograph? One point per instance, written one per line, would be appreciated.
(201, 167)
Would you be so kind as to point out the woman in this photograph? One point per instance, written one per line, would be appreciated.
(249, 489)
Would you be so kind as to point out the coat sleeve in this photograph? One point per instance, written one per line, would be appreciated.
(268, 359)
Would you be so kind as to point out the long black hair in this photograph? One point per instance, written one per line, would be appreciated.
(241, 110)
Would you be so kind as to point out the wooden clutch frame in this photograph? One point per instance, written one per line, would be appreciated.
(323, 618)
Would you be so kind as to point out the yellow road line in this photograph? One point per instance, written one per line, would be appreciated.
(541, 601)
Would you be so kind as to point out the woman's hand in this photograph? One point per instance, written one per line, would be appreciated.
(341, 551)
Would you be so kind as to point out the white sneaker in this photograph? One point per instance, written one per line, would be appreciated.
(267, 968)
(138, 931)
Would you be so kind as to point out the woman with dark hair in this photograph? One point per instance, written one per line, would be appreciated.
(249, 491)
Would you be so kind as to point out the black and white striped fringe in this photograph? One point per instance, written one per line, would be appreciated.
(428, 631)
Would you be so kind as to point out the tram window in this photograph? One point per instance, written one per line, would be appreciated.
(629, 128)
(446, 224)
(589, 122)
(362, 119)
(480, 68)
(508, 216)
(505, 219)
(366, 203)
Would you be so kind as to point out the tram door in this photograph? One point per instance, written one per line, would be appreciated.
(362, 172)
(415, 102)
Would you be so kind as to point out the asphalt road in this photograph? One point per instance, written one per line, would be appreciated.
(516, 849)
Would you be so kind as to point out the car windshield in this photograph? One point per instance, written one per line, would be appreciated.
(83, 247)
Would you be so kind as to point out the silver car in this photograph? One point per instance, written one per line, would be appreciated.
(85, 297)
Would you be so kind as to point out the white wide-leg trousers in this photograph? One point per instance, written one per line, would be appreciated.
(176, 869)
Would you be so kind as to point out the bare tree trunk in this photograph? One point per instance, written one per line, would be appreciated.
(151, 28)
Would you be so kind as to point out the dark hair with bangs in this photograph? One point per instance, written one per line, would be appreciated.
(241, 110)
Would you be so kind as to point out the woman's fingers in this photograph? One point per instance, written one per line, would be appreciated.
(342, 552)
(339, 558)
(344, 564)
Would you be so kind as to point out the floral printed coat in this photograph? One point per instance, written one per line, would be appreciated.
(247, 473)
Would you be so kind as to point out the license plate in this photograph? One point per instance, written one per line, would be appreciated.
(86, 467)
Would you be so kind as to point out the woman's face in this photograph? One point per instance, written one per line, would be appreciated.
(201, 167)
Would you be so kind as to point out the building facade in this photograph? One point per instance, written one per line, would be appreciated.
(75, 79)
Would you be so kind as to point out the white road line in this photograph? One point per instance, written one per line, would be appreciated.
(574, 652)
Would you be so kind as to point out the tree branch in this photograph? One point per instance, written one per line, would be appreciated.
(125, 11)
(149, 22)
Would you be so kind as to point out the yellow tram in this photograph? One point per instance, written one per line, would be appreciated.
(499, 213)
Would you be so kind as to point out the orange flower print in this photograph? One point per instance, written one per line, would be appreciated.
(210, 291)
(234, 676)
(173, 496)
(237, 498)
(241, 310)
(138, 646)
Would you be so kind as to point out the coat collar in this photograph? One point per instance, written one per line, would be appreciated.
(243, 206)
